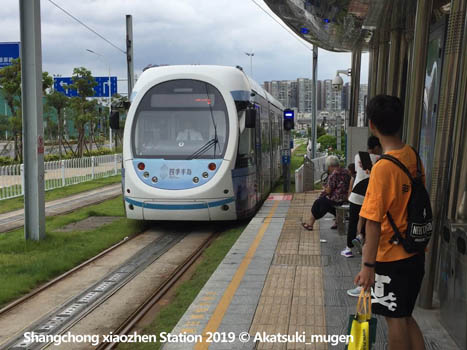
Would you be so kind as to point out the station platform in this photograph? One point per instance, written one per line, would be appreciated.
(280, 279)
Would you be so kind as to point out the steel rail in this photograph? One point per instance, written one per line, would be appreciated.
(28, 296)
(157, 295)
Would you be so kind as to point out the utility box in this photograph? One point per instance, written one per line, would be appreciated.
(308, 175)
(357, 138)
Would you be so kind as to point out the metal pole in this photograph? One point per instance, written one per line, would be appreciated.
(33, 131)
(314, 101)
(373, 76)
(418, 63)
(355, 86)
(129, 54)
(382, 63)
(393, 71)
(110, 112)
(400, 71)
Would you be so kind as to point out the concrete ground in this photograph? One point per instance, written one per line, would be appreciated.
(279, 278)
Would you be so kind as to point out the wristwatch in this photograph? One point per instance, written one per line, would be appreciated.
(369, 265)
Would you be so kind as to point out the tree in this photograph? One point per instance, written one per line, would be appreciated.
(320, 131)
(83, 109)
(58, 101)
(10, 82)
(327, 141)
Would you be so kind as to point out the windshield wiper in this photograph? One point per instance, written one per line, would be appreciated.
(204, 148)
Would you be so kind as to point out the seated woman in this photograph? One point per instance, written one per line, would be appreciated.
(334, 193)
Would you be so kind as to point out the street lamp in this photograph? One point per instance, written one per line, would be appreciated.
(109, 96)
(250, 54)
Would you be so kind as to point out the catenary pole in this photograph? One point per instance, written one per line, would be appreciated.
(129, 54)
(33, 130)
(314, 101)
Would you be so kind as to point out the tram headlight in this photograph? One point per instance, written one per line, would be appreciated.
(146, 174)
(205, 175)
(195, 179)
(154, 179)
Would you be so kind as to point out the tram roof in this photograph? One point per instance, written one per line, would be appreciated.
(233, 78)
(344, 25)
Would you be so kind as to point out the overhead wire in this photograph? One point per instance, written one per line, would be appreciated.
(286, 29)
(87, 27)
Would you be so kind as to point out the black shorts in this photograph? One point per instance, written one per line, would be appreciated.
(397, 284)
(323, 205)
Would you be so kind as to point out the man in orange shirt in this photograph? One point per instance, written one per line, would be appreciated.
(394, 275)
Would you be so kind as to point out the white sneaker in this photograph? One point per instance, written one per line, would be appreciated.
(347, 252)
(354, 292)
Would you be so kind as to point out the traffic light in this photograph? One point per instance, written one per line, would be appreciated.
(288, 119)
(114, 120)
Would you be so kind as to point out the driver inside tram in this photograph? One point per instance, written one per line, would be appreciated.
(188, 132)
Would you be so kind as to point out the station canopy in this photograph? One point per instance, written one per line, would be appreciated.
(344, 25)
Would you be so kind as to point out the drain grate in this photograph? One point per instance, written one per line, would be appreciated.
(298, 260)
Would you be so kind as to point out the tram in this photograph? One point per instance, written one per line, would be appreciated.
(200, 143)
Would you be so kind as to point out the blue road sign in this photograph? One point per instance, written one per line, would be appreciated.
(8, 51)
(60, 85)
(101, 89)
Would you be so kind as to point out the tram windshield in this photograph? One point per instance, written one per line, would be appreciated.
(181, 119)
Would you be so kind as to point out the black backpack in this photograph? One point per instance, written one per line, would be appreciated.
(419, 214)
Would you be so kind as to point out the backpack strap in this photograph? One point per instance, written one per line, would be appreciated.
(397, 236)
(419, 163)
(400, 165)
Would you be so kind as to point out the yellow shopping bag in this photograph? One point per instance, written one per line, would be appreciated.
(362, 327)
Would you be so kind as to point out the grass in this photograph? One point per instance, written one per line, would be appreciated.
(169, 316)
(24, 265)
(295, 162)
(18, 202)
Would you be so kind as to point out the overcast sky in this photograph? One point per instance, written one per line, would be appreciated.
(171, 32)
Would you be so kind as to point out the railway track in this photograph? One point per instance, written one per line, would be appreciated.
(65, 275)
(126, 327)
(75, 311)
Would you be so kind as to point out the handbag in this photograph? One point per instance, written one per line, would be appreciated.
(362, 326)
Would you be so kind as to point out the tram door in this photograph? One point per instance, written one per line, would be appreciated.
(431, 97)
(259, 177)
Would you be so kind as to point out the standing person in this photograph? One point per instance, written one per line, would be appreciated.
(358, 191)
(334, 194)
(395, 274)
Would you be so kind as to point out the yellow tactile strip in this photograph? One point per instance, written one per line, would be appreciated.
(292, 299)
(297, 259)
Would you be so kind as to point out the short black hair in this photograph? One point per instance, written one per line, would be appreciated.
(386, 113)
(373, 142)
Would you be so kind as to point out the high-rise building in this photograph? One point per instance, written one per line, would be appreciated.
(293, 94)
(319, 100)
(305, 95)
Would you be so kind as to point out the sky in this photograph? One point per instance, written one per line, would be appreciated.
(172, 32)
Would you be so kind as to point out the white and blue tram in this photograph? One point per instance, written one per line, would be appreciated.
(200, 143)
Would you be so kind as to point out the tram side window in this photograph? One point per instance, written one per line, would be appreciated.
(246, 149)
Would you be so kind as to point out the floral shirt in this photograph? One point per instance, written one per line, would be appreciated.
(338, 182)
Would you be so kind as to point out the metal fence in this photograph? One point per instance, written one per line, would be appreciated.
(60, 173)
